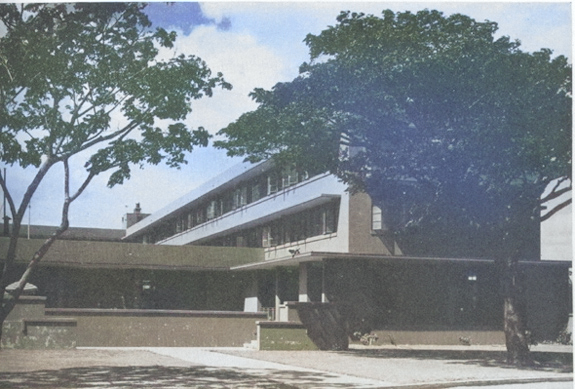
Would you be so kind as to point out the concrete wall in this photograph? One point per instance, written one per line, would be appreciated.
(29, 325)
(362, 239)
(557, 231)
(156, 328)
(283, 336)
(439, 337)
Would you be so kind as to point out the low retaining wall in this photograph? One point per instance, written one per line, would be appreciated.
(275, 335)
(27, 327)
(439, 337)
(31, 325)
(160, 328)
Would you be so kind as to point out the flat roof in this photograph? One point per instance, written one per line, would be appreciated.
(74, 233)
(119, 255)
(387, 259)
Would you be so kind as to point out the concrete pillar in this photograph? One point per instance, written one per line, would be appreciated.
(278, 299)
(303, 287)
(324, 298)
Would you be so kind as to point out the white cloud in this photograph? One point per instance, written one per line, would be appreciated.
(245, 63)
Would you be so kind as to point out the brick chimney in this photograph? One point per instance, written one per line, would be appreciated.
(132, 218)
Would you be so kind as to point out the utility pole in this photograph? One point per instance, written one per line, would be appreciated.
(29, 218)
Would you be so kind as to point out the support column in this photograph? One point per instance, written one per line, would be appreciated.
(324, 298)
(303, 279)
(278, 300)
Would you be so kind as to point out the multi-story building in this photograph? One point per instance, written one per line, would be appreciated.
(282, 210)
(322, 243)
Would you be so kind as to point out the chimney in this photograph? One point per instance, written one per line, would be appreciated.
(136, 216)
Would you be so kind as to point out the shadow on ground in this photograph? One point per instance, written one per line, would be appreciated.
(159, 377)
(543, 361)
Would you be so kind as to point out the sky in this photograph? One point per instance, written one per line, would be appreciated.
(255, 45)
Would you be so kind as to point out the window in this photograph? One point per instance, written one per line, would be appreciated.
(289, 177)
(227, 203)
(267, 240)
(241, 241)
(200, 216)
(257, 192)
(273, 181)
(211, 211)
(376, 220)
(330, 222)
(240, 197)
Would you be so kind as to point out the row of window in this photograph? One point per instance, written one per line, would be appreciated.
(244, 194)
(288, 229)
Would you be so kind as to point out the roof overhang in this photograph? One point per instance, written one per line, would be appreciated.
(384, 259)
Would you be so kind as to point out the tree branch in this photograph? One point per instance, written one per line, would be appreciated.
(555, 194)
(8, 195)
(555, 209)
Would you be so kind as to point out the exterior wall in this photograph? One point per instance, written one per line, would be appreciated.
(362, 239)
(29, 325)
(283, 336)
(557, 236)
(140, 288)
(440, 337)
(557, 231)
(547, 301)
(156, 328)
(434, 298)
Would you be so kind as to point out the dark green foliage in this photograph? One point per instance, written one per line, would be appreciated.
(460, 130)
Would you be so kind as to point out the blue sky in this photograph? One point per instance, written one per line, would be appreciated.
(257, 44)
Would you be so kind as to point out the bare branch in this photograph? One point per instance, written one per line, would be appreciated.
(555, 194)
(556, 209)
(8, 195)
(83, 186)
(66, 179)
(44, 168)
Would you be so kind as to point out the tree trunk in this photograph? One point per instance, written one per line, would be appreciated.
(514, 321)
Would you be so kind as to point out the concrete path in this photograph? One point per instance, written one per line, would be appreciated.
(293, 375)
(234, 368)
(375, 368)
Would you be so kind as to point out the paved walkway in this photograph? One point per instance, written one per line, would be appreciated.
(368, 367)
(379, 367)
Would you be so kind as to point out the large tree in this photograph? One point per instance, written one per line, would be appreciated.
(453, 132)
(83, 85)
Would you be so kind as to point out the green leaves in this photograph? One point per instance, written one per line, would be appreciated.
(86, 76)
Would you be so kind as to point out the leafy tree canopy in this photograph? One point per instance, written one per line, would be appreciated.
(73, 76)
(84, 83)
(457, 130)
